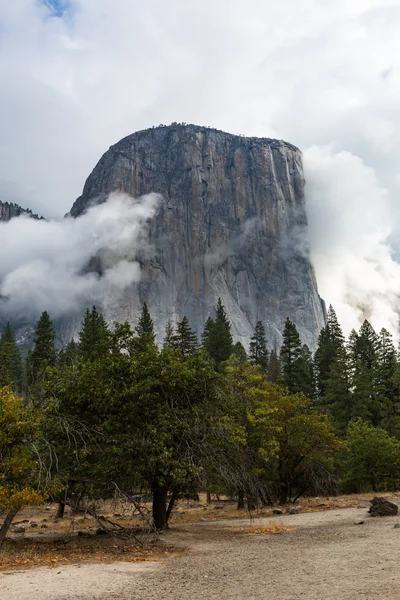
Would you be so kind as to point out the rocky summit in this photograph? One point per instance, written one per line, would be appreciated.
(9, 210)
(231, 223)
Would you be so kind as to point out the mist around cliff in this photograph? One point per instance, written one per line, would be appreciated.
(350, 224)
(64, 266)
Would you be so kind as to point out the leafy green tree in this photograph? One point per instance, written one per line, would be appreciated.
(20, 483)
(145, 330)
(285, 441)
(258, 354)
(11, 367)
(217, 337)
(93, 335)
(154, 414)
(373, 460)
(184, 339)
(306, 445)
(43, 354)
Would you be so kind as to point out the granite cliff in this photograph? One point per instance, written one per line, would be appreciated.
(9, 210)
(231, 223)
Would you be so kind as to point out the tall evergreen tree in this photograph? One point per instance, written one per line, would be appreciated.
(93, 335)
(363, 351)
(240, 352)
(258, 354)
(145, 330)
(291, 357)
(169, 332)
(387, 384)
(274, 367)
(43, 353)
(217, 337)
(69, 355)
(185, 339)
(11, 369)
(337, 400)
(330, 342)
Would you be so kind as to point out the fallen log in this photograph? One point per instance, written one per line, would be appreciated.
(380, 507)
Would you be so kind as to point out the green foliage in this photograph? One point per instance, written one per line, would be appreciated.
(11, 367)
(296, 362)
(373, 460)
(330, 343)
(168, 341)
(144, 330)
(274, 367)
(44, 353)
(93, 336)
(258, 353)
(217, 338)
(20, 483)
(239, 352)
(184, 339)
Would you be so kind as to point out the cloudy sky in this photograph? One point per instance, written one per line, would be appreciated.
(78, 75)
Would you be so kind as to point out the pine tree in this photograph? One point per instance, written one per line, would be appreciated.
(185, 340)
(93, 335)
(291, 357)
(337, 401)
(207, 334)
(11, 369)
(330, 342)
(274, 367)
(307, 375)
(43, 353)
(240, 352)
(217, 337)
(387, 388)
(363, 351)
(169, 332)
(69, 355)
(258, 354)
(145, 330)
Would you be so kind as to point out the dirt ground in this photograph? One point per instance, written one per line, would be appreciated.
(317, 556)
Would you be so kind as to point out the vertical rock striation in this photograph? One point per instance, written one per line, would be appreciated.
(231, 223)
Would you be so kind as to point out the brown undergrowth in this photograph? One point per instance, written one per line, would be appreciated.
(58, 541)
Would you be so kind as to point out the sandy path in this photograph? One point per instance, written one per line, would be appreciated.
(327, 557)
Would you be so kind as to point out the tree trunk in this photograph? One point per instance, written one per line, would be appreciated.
(60, 510)
(251, 502)
(6, 525)
(171, 504)
(283, 494)
(240, 503)
(159, 507)
(208, 497)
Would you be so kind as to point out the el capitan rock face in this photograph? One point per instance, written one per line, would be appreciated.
(231, 224)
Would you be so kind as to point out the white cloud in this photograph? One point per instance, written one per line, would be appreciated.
(49, 264)
(316, 73)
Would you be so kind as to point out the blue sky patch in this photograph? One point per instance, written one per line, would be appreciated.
(57, 7)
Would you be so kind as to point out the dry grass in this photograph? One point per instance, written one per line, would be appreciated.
(59, 543)
(25, 553)
(273, 530)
